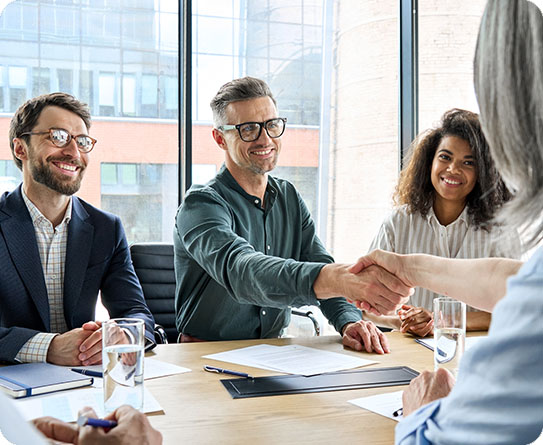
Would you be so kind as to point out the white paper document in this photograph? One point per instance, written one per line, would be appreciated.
(65, 405)
(291, 359)
(13, 426)
(430, 342)
(384, 404)
(152, 369)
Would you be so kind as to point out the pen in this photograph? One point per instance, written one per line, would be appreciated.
(89, 421)
(88, 372)
(398, 412)
(226, 371)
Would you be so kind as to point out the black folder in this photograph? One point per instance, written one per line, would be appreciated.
(334, 381)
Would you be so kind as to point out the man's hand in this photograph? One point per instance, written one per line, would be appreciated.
(416, 320)
(395, 263)
(132, 428)
(365, 335)
(56, 429)
(373, 287)
(91, 349)
(426, 388)
(64, 348)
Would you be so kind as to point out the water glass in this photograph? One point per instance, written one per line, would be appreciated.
(123, 342)
(449, 333)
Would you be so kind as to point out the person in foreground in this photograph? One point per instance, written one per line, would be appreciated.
(447, 196)
(246, 247)
(498, 397)
(132, 428)
(57, 251)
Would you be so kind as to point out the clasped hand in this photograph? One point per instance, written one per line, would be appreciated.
(385, 285)
(81, 346)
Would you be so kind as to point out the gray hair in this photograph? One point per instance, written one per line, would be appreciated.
(509, 88)
(234, 91)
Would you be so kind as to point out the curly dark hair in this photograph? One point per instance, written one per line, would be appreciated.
(415, 187)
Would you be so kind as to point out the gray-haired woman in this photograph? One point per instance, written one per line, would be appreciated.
(498, 397)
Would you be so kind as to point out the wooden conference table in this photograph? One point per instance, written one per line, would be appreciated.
(199, 410)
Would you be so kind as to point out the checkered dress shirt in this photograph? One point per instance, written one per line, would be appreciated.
(52, 243)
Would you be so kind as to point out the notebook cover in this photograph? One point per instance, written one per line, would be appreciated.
(242, 388)
(38, 378)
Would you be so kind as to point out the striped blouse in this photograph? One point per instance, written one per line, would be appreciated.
(405, 233)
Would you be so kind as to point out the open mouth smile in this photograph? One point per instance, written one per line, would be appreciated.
(451, 181)
(66, 168)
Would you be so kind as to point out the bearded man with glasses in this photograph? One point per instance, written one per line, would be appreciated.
(57, 251)
(245, 244)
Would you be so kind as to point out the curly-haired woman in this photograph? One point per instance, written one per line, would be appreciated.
(446, 199)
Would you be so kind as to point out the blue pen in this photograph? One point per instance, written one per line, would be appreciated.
(226, 371)
(102, 423)
(88, 372)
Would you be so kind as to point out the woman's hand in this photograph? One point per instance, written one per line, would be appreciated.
(416, 320)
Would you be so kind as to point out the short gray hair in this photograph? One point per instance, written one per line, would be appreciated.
(237, 90)
(509, 88)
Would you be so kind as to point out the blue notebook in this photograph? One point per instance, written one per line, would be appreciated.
(30, 379)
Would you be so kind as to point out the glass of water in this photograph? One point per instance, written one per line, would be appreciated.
(449, 333)
(122, 362)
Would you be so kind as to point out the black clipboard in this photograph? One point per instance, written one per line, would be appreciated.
(333, 381)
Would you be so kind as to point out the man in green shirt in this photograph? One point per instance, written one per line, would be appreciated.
(246, 247)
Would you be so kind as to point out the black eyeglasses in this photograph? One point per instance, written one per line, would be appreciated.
(251, 131)
(60, 137)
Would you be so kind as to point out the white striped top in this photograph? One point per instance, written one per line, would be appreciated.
(405, 233)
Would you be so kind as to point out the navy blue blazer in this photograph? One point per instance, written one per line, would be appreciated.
(97, 259)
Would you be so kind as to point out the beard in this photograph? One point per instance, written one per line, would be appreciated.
(42, 173)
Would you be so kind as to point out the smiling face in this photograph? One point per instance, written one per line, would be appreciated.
(249, 158)
(454, 173)
(58, 169)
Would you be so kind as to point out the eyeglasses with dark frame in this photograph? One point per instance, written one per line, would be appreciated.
(61, 137)
(251, 131)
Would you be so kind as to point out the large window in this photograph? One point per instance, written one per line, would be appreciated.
(280, 42)
(447, 38)
(121, 58)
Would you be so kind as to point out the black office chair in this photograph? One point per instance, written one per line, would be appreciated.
(153, 263)
(309, 315)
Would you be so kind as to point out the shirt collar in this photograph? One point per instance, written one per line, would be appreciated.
(462, 218)
(272, 190)
(37, 216)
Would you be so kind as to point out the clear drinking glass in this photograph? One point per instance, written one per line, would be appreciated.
(123, 342)
(449, 333)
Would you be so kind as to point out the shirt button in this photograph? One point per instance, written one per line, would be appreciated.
(263, 312)
(256, 201)
(53, 277)
(269, 247)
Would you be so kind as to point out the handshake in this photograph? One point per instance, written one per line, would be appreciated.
(378, 283)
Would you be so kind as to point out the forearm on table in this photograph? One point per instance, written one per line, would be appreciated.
(480, 283)
(478, 321)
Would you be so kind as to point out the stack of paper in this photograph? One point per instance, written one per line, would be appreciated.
(291, 359)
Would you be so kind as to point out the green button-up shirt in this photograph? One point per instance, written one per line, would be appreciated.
(240, 265)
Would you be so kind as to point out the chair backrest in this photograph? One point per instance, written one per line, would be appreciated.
(153, 263)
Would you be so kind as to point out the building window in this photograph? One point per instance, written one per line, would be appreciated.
(129, 95)
(41, 81)
(149, 95)
(17, 86)
(106, 94)
(65, 80)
